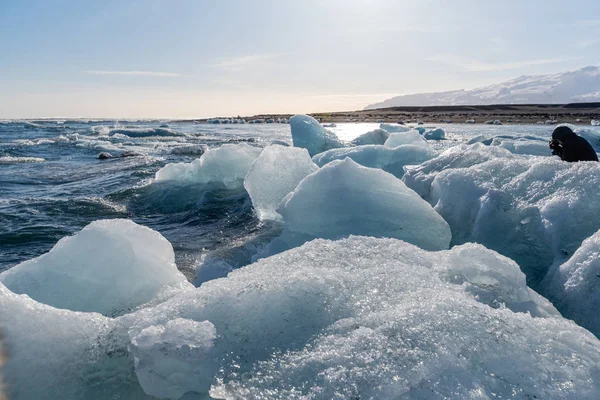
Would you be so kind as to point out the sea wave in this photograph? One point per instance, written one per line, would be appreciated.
(16, 160)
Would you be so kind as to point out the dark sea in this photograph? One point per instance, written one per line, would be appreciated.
(52, 183)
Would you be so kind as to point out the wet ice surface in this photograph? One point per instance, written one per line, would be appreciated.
(106, 313)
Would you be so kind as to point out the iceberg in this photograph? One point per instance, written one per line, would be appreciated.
(110, 267)
(434, 134)
(308, 133)
(274, 174)
(344, 198)
(377, 136)
(368, 317)
(394, 128)
(391, 160)
(170, 358)
(411, 137)
(535, 210)
(226, 165)
(573, 286)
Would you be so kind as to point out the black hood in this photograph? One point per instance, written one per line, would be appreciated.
(563, 133)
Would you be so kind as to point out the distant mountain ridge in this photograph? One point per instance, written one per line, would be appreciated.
(580, 86)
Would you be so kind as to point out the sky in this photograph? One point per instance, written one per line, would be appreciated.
(202, 58)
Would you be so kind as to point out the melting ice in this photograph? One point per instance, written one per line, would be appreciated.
(402, 263)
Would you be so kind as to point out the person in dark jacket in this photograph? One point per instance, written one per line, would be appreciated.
(571, 147)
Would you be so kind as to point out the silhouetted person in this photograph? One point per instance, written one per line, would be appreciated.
(571, 147)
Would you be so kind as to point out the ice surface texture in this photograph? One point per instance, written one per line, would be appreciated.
(377, 136)
(273, 175)
(367, 317)
(535, 210)
(391, 160)
(434, 134)
(410, 137)
(574, 287)
(344, 198)
(109, 267)
(309, 134)
(227, 165)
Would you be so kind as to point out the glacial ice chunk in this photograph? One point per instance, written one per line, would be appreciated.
(363, 317)
(391, 325)
(574, 288)
(401, 138)
(308, 133)
(344, 198)
(394, 128)
(227, 165)
(535, 210)
(434, 134)
(109, 267)
(170, 359)
(391, 160)
(274, 174)
(72, 355)
(377, 136)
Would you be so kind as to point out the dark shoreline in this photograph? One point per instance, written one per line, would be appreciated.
(575, 113)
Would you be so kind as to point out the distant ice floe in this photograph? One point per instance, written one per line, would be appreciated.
(389, 159)
(434, 134)
(195, 150)
(595, 122)
(308, 133)
(394, 128)
(377, 136)
(412, 137)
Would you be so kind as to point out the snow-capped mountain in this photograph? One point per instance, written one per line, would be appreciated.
(578, 86)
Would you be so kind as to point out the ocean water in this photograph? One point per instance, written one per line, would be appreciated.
(52, 183)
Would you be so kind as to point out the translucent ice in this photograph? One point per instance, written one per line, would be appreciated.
(411, 137)
(574, 288)
(274, 174)
(309, 134)
(110, 267)
(389, 159)
(227, 165)
(170, 359)
(394, 128)
(344, 198)
(72, 355)
(434, 134)
(392, 323)
(377, 136)
(535, 210)
(362, 317)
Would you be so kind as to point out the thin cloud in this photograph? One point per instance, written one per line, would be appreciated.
(134, 73)
(584, 44)
(470, 65)
(245, 61)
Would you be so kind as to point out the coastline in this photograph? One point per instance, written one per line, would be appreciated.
(508, 114)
